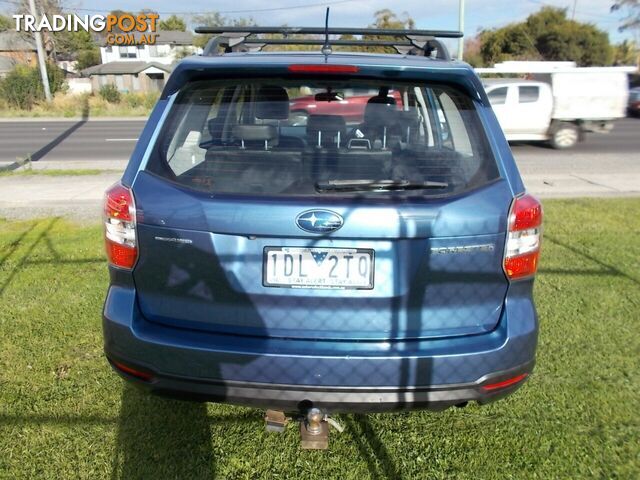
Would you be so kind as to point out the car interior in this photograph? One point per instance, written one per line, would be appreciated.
(238, 138)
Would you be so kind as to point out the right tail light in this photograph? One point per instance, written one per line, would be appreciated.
(523, 238)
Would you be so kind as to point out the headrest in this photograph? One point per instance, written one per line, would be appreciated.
(329, 125)
(255, 133)
(382, 99)
(380, 111)
(408, 117)
(272, 103)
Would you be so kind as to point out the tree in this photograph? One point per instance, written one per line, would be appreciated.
(70, 43)
(625, 53)
(5, 23)
(472, 54)
(583, 44)
(632, 7)
(88, 58)
(547, 35)
(508, 43)
(22, 87)
(216, 19)
(387, 19)
(384, 19)
(174, 23)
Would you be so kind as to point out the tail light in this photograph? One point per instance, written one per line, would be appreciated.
(523, 240)
(120, 227)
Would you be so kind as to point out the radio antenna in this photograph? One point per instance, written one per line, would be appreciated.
(326, 48)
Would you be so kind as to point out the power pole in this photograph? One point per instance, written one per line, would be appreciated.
(461, 28)
(573, 12)
(41, 61)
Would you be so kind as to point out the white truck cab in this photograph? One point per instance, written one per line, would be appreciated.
(558, 107)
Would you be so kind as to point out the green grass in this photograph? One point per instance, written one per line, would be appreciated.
(64, 414)
(78, 105)
(54, 172)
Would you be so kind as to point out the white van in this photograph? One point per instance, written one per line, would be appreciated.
(558, 107)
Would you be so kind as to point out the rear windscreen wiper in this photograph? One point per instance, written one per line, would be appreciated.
(376, 185)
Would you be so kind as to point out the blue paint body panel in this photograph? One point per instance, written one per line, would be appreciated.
(442, 316)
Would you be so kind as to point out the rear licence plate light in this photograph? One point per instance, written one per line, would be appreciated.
(523, 239)
(336, 268)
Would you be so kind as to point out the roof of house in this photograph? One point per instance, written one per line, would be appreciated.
(11, 41)
(123, 68)
(163, 37)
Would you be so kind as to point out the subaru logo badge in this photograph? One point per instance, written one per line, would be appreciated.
(319, 221)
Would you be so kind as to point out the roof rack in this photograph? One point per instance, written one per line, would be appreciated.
(405, 42)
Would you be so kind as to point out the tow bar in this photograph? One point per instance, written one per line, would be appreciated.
(314, 427)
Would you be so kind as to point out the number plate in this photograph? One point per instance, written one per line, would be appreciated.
(340, 268)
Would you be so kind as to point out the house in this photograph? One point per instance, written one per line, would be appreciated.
(14, 49)
(169, 47)
(67, 62)
(128, 76)
(140, 68)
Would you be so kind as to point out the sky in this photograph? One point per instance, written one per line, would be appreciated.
(433, 14)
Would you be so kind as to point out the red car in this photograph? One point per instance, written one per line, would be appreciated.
(348, 103)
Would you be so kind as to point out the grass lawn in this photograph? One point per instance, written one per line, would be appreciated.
(64, 414)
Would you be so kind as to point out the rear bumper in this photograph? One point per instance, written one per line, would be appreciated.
(294, 398)
(291, 375)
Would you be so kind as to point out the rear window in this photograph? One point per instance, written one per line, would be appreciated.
(281, 137)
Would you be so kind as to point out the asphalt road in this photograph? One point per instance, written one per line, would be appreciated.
(99, 141)
(604, 165)
(105, 141)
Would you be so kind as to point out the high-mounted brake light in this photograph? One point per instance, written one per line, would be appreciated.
(120, 227)
(523, 240)
(323, 69)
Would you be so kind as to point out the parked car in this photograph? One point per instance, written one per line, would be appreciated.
(348, 103)
(376, 266)
(558, 108)
(634, 102)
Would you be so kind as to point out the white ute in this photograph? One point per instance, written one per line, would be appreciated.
(559, 107)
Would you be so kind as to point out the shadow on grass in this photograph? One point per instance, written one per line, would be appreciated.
(25, 261)
(371, 448)
(606, 268)
(160, 438)
(13, 246)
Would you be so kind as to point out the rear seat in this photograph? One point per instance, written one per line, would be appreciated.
(328, 155)
(433, 164)
(256, 163)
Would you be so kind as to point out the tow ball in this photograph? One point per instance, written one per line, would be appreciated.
(314, 431)
(314, 427)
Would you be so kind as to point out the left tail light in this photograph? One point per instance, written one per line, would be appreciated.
(523, 239)
(120, 227)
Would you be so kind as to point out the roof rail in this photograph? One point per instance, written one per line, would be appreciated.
(406, 42)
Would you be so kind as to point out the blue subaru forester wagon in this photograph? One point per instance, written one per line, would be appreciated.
(332, 230)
